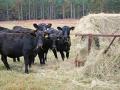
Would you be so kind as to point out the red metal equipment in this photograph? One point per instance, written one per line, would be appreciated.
(98, 35)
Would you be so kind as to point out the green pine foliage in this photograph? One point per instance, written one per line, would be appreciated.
(54, 9)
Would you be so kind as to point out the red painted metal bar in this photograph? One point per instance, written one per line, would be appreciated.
(90, 37)
(109, 45)
(100, 35)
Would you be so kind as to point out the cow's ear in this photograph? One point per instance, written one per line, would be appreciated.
(72, 28)
(36, 26)
(49, 25)
(33, 33)
(59, 28)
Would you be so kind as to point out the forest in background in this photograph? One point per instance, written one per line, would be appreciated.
(54, 9)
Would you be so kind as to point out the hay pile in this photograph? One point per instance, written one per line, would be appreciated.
(100, 72)
(102, 69)
(99, 24)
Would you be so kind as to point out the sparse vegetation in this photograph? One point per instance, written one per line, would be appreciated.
(97, 74)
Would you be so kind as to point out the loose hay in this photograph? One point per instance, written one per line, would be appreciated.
(100, 72)
(103, 67)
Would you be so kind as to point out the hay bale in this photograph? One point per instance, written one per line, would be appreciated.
(99, 65)
(99, 24)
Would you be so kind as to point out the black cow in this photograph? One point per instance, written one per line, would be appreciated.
(20, 29)
(46, 44)
(49, 41)
(20, 44)
(16, 29)
(64, 42)
(2, 29)
(54, 35)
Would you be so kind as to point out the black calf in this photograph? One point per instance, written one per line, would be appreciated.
(64, 42)
(49, 41)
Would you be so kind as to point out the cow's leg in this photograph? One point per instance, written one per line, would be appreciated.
(14, 59)
(45, 55)
(18, 59)
(26, 61)
(31, 60)
(62, 55)
(30, 63)
(41, 57)
(32, 57)
(4, 60)
(55, 53)
(67, 54)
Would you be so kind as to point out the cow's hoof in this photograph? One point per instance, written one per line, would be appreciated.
(42, 63)
(8, 68)
(30, 66)
(26, 71)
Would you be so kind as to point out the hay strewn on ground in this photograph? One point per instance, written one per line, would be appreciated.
(104, 68)
(101, 72)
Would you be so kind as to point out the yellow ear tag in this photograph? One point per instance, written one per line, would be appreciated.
(46, 36)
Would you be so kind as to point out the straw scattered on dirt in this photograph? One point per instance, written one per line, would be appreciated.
(100, 72)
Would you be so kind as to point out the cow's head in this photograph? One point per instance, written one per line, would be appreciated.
(66, 32)
(40, 35)
(49, 25)
(42, 26)
(53, 38)
(49, 32)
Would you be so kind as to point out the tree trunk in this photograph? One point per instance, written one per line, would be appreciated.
(50, 11)
(43, 15)
(18, 12)
(7, 12)
(54, 12)
(74, 12)
(63, 11)
(83, 7)
(29, 11)
(71, 10)
(35, 9)
(21, 9)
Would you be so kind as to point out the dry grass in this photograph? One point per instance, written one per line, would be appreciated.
(55, 75)
(29, 23)
(58, 74)
(105, 67)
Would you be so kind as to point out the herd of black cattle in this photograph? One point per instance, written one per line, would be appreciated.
(29, 43)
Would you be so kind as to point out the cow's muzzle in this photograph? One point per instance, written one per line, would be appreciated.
(40, 46)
